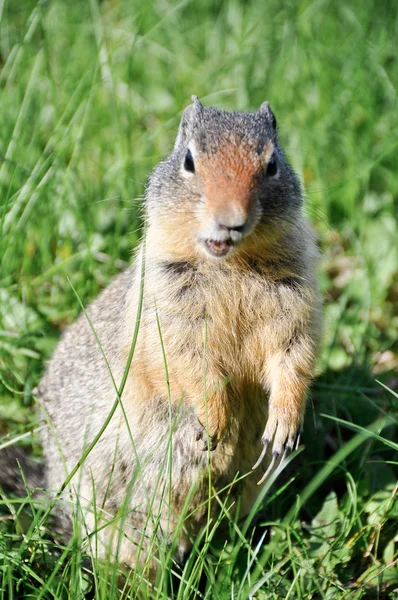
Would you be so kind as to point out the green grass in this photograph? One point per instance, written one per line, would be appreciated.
(90, 98)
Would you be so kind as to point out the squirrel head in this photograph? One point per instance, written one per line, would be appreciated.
(225, 186)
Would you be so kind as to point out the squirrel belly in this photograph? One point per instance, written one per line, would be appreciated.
(226, 347)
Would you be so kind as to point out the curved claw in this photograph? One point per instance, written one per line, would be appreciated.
(286, 452)
(291, 446)
(263, 453)
(275, 455)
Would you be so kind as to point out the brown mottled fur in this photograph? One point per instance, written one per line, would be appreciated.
(239, 335)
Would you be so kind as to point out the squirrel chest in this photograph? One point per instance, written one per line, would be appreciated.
(215, 323)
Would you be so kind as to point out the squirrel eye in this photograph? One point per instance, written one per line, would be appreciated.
(189, 165)
(272, 167)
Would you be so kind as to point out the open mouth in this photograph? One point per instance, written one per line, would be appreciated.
(216, 248)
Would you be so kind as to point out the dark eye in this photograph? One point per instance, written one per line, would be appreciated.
(272, 167)
(189, 165)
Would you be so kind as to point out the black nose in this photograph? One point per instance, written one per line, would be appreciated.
(238, 228)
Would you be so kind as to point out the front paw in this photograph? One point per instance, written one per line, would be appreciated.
(281, 435)
(208, 442)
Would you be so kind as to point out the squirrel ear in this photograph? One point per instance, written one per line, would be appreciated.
(184, 127)
(197, 103)
(266, 110)
(187, 117)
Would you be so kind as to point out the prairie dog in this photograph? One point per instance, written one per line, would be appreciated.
(226, 347)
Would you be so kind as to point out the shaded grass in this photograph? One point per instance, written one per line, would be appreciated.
(90, 96)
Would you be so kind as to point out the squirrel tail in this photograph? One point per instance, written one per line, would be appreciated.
(19, 472)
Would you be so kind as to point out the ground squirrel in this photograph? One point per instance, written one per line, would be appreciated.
(226, 345)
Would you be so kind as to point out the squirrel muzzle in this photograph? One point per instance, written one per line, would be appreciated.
(230, 211)
(231, 208)
(225, 225)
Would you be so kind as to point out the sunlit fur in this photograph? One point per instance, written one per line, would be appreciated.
(237, 337)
